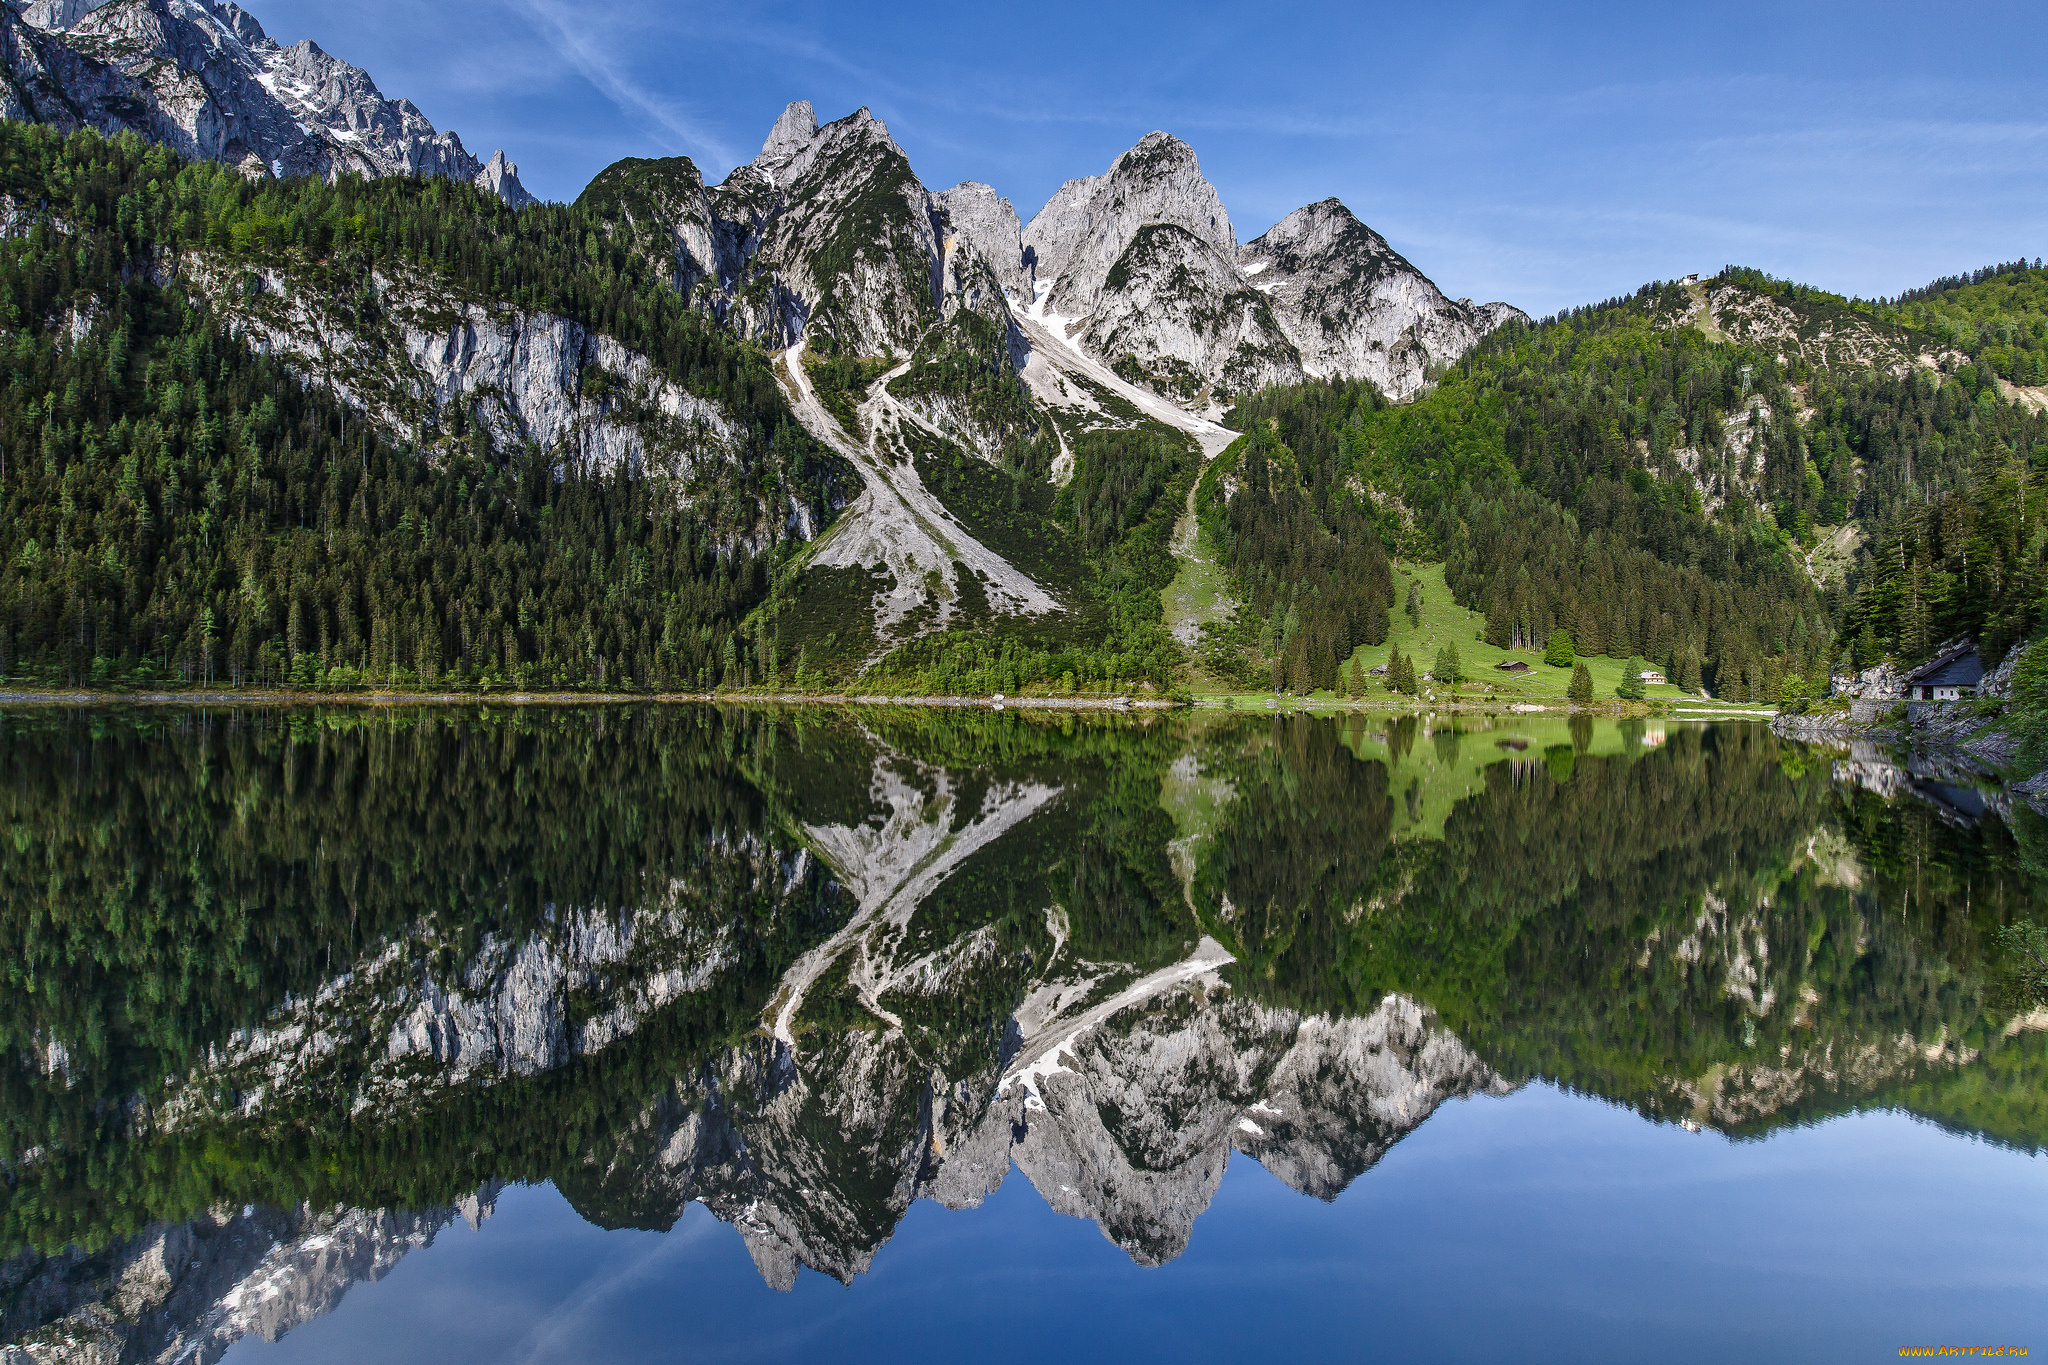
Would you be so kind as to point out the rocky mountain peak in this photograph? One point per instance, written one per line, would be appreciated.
(792, 132)
(1313, 228)
(500, 177)
(1354, 306)
(988, 223)
(209, 82)
(56, 14)
(1079, 236)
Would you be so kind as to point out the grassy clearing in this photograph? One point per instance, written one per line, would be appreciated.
(1199, 592)
(1443, 620)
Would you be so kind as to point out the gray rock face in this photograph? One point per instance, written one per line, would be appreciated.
(1135, 1131)
(985, 221)
(1077, 239)
(1144, 258)
(1176, 313)
(209, 82)
(512, 1011)
(794, 131)
(827, 236)
(1353, 307)
(531, 377)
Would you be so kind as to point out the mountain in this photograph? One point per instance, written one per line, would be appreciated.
(188, 1291)
(827, 238)
(206, 80)
(1353, 307)
(886, 434)
(1144, 258)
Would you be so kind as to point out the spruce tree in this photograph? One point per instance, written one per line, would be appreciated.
(1631, 688)
(1582, 684)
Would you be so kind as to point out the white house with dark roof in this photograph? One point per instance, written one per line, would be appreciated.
(1950, 675)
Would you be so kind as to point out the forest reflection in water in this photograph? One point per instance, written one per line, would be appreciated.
(289, 992)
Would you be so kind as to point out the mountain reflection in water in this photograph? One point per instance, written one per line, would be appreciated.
(289, 993)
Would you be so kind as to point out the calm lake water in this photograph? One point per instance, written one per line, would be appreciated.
(687, 1033)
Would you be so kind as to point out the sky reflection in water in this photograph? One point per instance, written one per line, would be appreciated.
(1540, 1226)
(1217, 1037)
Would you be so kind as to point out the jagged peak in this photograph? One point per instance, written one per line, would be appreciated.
(791, 133)
(974, 197)
(976, 188)
(798, 133)
(863, 120)
(1313, 229)
(241, 23)
(53, 15)
(1156, 149)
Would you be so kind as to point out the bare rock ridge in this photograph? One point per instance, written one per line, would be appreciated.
(1086, 228)
(206, 80)
(1353, 306)
(1144, 258)
(988, 223)
(828, 237)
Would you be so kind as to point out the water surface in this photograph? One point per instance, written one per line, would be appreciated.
(679, 1033)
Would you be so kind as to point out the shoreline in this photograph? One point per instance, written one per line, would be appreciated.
(1245, 703)
(82, 697)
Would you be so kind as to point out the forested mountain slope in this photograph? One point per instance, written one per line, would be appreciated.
(1676, 475)
(179, 504)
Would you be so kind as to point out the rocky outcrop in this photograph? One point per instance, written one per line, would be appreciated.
(854, 237)
(814, 1156)
(1353, 307)
(207, 81)
(1076, 240)
(424, 356)
(826, 236)
(1145, 258)
(982, 219)
(1824, 334)
(1134, 1129)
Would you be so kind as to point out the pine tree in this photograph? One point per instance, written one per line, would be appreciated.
(1631, 688)
(1582, 684)
(1450, 669)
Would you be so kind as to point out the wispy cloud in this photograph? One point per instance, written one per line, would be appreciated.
(570, 33)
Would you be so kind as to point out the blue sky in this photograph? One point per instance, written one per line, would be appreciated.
(1544, 154)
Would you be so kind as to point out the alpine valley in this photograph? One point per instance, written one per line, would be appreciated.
(300, 393)
(446, 838)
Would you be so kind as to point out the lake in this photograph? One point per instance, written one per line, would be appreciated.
(679, 1033)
